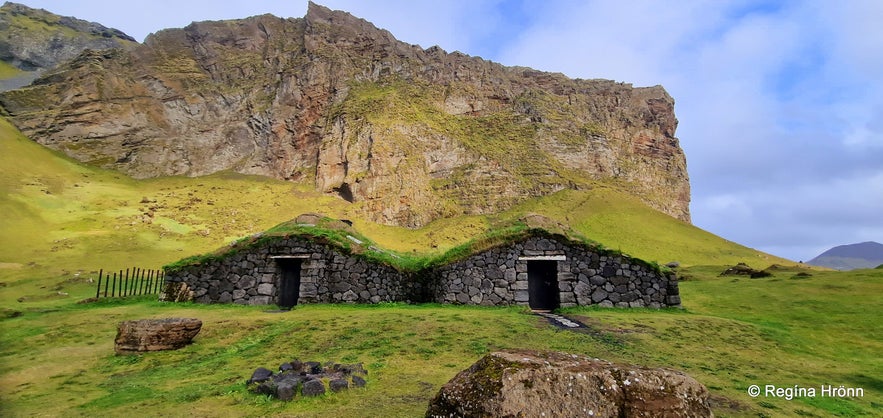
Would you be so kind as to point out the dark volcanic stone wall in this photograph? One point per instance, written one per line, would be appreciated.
(327, 276)
(498, 276)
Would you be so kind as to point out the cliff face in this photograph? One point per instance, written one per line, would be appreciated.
(409, 135)
(34, 40)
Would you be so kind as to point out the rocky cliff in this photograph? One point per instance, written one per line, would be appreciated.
(34, 40)
(407, 134)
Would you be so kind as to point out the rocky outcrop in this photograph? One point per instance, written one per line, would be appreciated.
(35, 40)
(407, 134)
(525, 383)
(307, 378)
(155, 334)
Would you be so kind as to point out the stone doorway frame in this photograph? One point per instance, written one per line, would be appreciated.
(522, 294)
(289, 279)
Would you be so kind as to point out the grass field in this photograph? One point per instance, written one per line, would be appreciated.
(812, 331)
(62, 221)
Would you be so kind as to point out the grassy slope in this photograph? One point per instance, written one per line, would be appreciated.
(56, 358)
(63, 218)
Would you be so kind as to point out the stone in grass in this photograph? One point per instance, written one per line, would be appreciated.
(337, 385)
(287, 387)
(358, 381)
(313, 367)
(260, 375)
(155, 334)
(288, 376)
(267, 387)
(297, 365)
(351, 369)
(313, 387)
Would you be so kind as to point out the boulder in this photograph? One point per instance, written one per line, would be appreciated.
(554, 384)
(740, 269)
(313, 387)
(337, 385)
(260, 375)
(155, 334)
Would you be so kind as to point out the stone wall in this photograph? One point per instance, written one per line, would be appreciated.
(498, 276)
(327, 275)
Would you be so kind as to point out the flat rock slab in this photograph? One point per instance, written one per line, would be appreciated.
(562, 321)
(155, 334)
(522, 383)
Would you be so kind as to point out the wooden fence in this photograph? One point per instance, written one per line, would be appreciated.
(139, 282)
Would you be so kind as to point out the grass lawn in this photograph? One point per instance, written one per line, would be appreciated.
(734, 332)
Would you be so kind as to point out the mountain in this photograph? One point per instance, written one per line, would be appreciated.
(407, 135)
(35, 40)
(853, 256)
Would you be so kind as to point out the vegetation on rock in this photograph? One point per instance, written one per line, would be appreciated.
(408, 135)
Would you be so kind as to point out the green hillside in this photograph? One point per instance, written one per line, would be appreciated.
(63, 217)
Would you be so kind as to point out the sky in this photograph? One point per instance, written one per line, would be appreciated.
(780, 103)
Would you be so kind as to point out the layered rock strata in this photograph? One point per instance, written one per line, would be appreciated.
(407, 134)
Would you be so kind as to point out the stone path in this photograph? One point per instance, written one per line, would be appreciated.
(561, 321)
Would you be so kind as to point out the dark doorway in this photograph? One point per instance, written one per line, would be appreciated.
(542, 284)
(289, 285)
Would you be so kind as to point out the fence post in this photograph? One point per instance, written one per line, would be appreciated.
(113, 288)
(98, 292)
(141, 281)
(106, 280)
(135, 281)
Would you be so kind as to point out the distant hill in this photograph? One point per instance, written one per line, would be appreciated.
(853, 256)
(33, 41)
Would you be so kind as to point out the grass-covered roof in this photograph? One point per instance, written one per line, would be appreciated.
(345, 238)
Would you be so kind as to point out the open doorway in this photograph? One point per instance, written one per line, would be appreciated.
(289, 283)
(542, 284)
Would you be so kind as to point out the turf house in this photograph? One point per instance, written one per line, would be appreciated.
(297, 262)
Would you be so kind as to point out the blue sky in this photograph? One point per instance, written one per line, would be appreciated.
(780, 103)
